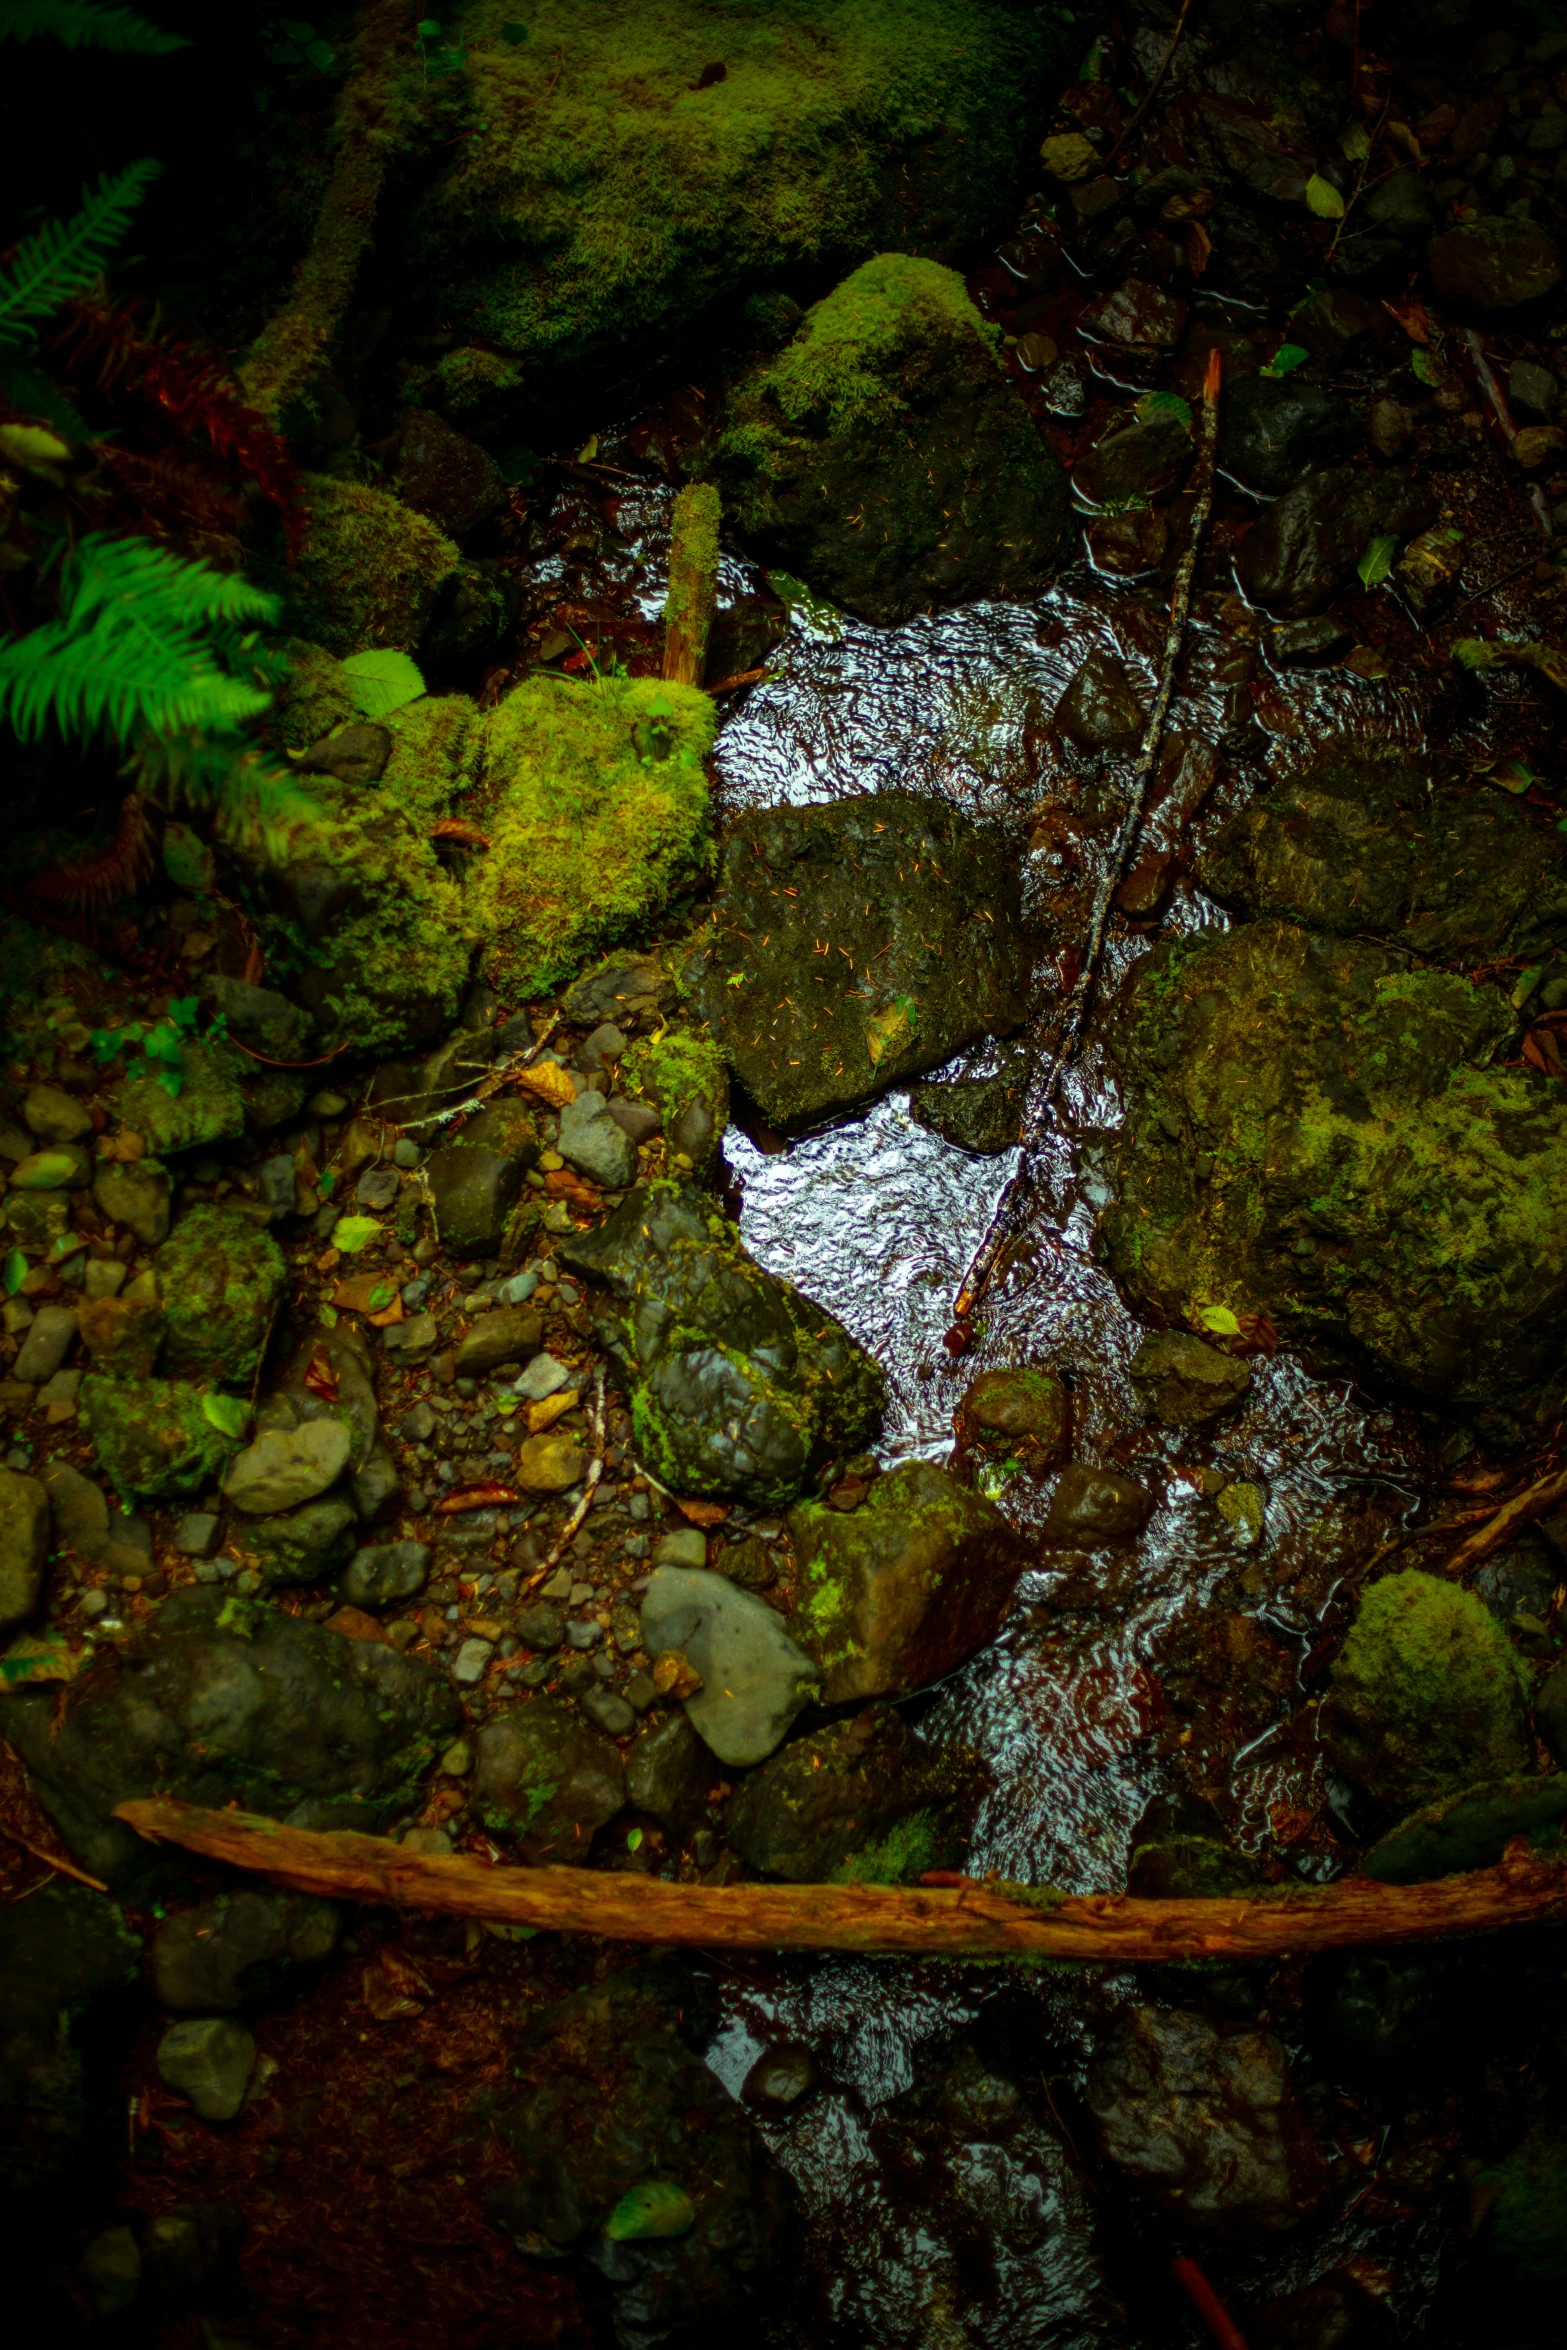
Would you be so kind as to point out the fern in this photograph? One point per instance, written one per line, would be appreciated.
(255, 803)
(140, 646)
(82, 24)
(67, 256)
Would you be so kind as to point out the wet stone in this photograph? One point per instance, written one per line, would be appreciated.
(1490, 265)
(755, 1679)
(210, 2061)
(1101, 710)
(305, 1545)
(24, 1545)
(1181, 1381)
(780, 2078)
(239, 1947)
(670, 1774)
(197, 1532)
(378, 1187)
(474, 1192)
(137, 1195)
(595, 1143)
(1307, 544)
(286, 1466)
(383, 1573)
(863, 1802)
(1296, 644)
(1023, 1405)
(1092, 1506)
(544, 1778)
(1426, 1695)
(1270, 433)
(1135, 313)
(49, 1340)
(510, 1334)
(1134, 458)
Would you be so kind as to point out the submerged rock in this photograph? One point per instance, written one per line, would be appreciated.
(921, 911)
(863, 1802)
(1319, 1132)
(1207, 2124)
(883, 456)
(1426, 1695)
(738, 1384)
(1093, 1506)
(223, 1698)
(1182, 1382)
(1019, 1406)
(754, 1677)
(897, 1592)
(981, 1114)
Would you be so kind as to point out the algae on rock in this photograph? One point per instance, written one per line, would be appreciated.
(221, 1281)
(883, 456)
(152, 1437)
(1319, 1132)
(369, 571)
(613, 196)
(1426, 1694)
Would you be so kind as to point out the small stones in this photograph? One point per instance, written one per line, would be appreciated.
(540, 1626)
(136, 1193)
(1091, 1507)
(210, 2061)
(472, 1661)
(610, 1713)
(287, 1466)
(545, 1376)
(1182, 1382)
(1135, 313)
(474, 1192)
(411, 1342)
(49, 1340)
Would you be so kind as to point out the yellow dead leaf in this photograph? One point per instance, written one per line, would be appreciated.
(549, 1082)
(553, 1407)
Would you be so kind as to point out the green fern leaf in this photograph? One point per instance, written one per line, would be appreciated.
(66, 256)
(82, 24)
(138, 579)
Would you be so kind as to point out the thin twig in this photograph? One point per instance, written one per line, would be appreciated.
(52, 1860)
(1017, 1199)
(1152, 91)
(589, 1485)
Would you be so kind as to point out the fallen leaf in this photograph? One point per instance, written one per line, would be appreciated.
(1323, 198)
(551, 1408)
(888, 1031)
(375, 1295)
(476, 1497)
(1377, 561)
(1219, 1321)
(550, 1083)
(393, 1988)
(1536, 442)
(560, 1183)
(1199, 245)
(355, 1624)
(320, 1378)
(37, 1656)
(227, 1413)
(1402, 136)
(352, 1233)
(1365, 661)
(1541, 1051)
(674, 1675)
(463, 836)
(655, 2208)
(704, 1513)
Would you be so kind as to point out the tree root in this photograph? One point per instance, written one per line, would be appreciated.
(965, 1920)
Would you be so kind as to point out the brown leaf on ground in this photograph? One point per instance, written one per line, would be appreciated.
(550, 1083)
(703, 1513)
(320, 1377)
(375, 1295)
(355, 1624)
(560, 1183)
(674, 1675)
(1542, 1051)
(553, 1407)
(393, 1988)
(476, 1497)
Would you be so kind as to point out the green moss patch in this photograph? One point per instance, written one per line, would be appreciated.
(1426, 1694)
(369, 571)
(221, 1281)
(152, 1437)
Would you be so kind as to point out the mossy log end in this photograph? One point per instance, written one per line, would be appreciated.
(948, 1921)
(693, 583)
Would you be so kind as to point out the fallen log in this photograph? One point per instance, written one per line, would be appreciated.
(964, 1920)
(1538, 1500)
(693, 583)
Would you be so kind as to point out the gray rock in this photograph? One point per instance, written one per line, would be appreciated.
(265, 1019)
(196, 1534)
(275, 1184)
(755, 1680)
(1207, 2124)
(508, 1335)
(24, 1545)
(411, 1342)
(1305, 547)
(103, 1277)
(49, 1340)
(540, 1625)
(595, 1144)
(303, 1545)
(136, 1193)
(1495, 264)
(240, 1946)
(545, 1375)
(55, 1116)
(378, 1187)
(547, 1780)
(474, 1192)
(670, 1774)
(84, 1520)
(738, 1383)
(384, 1573)
(1101, 710)
(210, 2061)
(417, 1425)
(639, 1121)
(1296, 644)
(1182, 1382)
(1094, 1506)
(686, 1547)
(472, 1662)
(225, 1698)
(1533, 391)
(375, 1486)
(621, 988)
(608, 1712)
(287, 1466)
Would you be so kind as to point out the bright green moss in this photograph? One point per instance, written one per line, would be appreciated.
(1426, 1694)
(903, 1855)
(607, 198)
(683, 1073)
(369, 572)
(208, 1108)
(221, 1281)
(153, 1439)
(595, 803)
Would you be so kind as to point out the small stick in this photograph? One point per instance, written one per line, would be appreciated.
(1496, 400)
(589, 1486)
(52, 1860)
(1101, 1929)
(1152, 91)
(1535, 1501)
(1016, 1201)
(1195, 2285)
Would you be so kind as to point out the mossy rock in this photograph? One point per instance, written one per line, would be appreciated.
(369, 571)
(1317, 1132)
(980, 1114)
(152, 1438)
(1526, 2222)
(1456, 872)
(306, 1545)
(1426, 1696)
(841, 127)
(1470, 1830)
(208, 1108)
(883, 457)
(221, 1280)
(594, 800)
(682, 1073)
(739, 1386)
(861, 1802)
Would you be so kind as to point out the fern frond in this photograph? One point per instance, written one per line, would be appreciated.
(128, 652)
(65, 257)
(257, 805)
(82, 24)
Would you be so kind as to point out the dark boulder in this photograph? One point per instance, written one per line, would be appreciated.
(1306, 546)
(1272, 432)
(865, 1801)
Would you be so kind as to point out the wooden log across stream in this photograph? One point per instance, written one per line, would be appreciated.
(960, 1920)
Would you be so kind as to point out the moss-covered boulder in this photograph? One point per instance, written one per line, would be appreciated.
(862, 1802)
(221, 1280)
(739, 1386)
(1318, 1132)
(682, 1074)
(855, 945)
(207, 1108)
(228, 1699)
(594, 801)
(1526, 2219)
(897, 1592)
(153, 1438)
(305, 1545)
(1453, 870)
(369, 571)
(619, 187)
(883, 457)
(1022, 1405)
(1426, 1695)
(547, 1780)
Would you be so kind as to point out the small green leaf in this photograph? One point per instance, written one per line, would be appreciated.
(227, 1413)
(381, 1296)
(1377, 562)
(382, 681)
(322, 55)
(655, 2208)
(285, 53)
(1514, 776)
(1355, 143)
(1425, 366)
(634, 1840)
(1524, 986)
(1220, 1321)
(1323, 198)
(1286, 359)
(1154, 404)
(429, 29)
(14, 1271)
(326, 1182)
(352, 1233)
(184, 1012)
